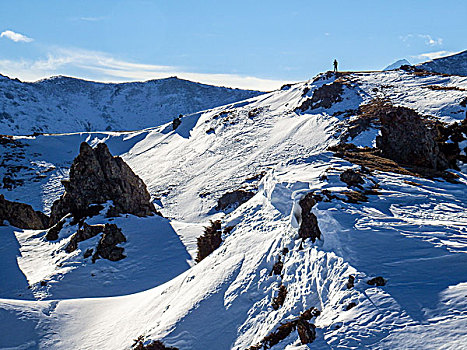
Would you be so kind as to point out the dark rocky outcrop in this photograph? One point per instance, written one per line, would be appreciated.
(306, 331)
(377, 281)
(324, 96)
(97, 177)
(278, 301)
(350, 305)
(84, 233)
(140, 344)
(350, 282)
(407, 139)
(309, 224)
(277, 268)
(176, 122)
(107, 246)
(352, 178)
(52, 233)
(22, 215)
(210, 240)
(233, 199)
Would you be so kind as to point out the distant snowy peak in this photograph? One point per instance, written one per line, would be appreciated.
(63, 104)
(454, 65)
(397, 64)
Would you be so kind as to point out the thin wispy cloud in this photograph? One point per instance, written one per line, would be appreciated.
(106, 68)
(92, 19)
(432, 55)
(428, 39)
(16, 37)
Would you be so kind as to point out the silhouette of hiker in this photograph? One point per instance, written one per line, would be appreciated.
(335, 66)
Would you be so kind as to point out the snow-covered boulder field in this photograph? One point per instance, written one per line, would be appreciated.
(333, 235)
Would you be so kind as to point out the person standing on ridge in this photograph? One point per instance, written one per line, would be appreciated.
(335, 66)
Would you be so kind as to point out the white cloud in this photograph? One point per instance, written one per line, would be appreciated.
(103, 67)
(16, 37)
(92, 19)
(428, 39)
(432, 55)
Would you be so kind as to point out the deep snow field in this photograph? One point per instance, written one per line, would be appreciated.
(412, 232)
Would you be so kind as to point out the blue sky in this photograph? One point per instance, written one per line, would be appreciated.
(249, 44)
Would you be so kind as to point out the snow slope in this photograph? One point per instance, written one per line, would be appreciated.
(413, 232)
(64, 104)
(455, 64)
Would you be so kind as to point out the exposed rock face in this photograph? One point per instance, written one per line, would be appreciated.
(309, 225)
(22, 215)
(350, 283)
(277, 268)
(155, 345)
(97, 177)
(306, 331)
(52, 233)
(84, 233)
(406, 138)
(377, 281)
(234, 198)
(107, 247)
(210, 240)
(352, 178)
(278, 301)
(325, 96)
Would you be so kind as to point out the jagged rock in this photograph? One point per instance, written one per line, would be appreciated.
(306, 331)
(107, 246)
(278, 301)
(352, 178)
(84, 233)
(234, 198)
(282, 332)
(309, 224)
(377, 281)
(350, 305)
(88, 253)
(407, 139)
(310, 313)
(350, 283)
(52, 233)
(324, 96)
(210, 240)
(155, 345)
(277, 268)
(354, 197)
(176, 122)
(22, 215)
(97, 177)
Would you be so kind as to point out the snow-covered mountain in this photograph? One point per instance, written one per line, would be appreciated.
(397, 64)
(382, 220)
(63, 104)
(455, 64)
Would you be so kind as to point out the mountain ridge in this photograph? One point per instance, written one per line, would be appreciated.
(65, 104)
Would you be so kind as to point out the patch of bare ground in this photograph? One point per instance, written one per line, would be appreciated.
(445, 88)
(372, 159)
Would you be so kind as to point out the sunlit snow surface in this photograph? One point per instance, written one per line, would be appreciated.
(413, 233)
